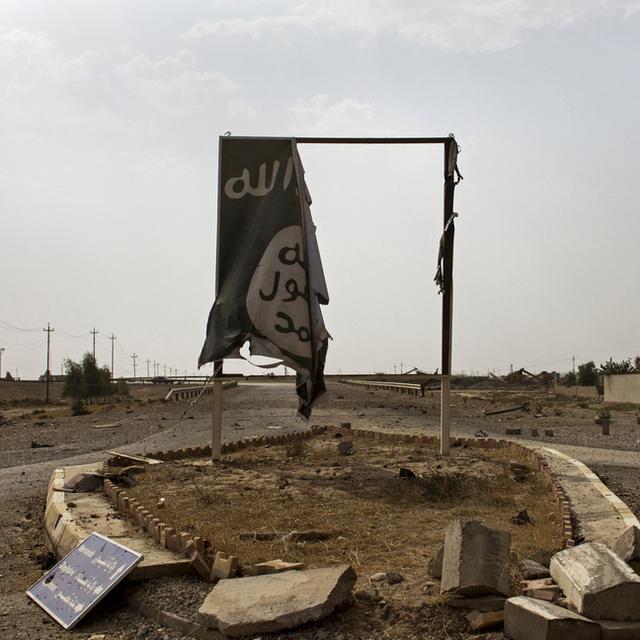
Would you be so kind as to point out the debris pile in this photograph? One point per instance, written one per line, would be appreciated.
(586, 592)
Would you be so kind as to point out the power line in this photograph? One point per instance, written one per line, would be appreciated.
(12, 327)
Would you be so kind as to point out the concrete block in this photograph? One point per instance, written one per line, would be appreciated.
(481, 620)
(597, 582)
(529, 619)
(531, 570)
(627, 546)
(263, 604)
(619, 630)
(224, 566)
(475, 560)
(201, 566)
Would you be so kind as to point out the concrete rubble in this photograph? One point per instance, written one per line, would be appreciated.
(542, 589)
(531, 570)
(268, 603)
(224, 566)
(530, 619)
(272, 566)
(475, 560)
(627, 546)
(481, 620)
(597, 582)
(619, 630)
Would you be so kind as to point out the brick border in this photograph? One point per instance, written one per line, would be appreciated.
(183, 542)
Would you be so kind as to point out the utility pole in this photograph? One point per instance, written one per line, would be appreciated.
(133, 357)
(148, 361)
(165, 370)
(113, 339)
(94, 333)
(401, 365)
(1, 352)
(49, 331)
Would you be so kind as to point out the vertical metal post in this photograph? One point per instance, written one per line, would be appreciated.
(447, 298)
(216, 425)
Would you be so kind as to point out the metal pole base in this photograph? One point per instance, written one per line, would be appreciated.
(444, 415)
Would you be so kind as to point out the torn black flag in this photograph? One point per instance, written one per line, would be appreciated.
(269, 278)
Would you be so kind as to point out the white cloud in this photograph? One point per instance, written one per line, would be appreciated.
(239, 108)
(320, 116)
(173, 85)
(251, 27)
(26, 55)
(36, 77)
(632, 9)
(459, 25)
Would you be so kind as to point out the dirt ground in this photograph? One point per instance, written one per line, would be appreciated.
(371, 514)
(375, 520)
(146, 424)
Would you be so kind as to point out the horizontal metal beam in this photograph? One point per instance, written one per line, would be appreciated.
(333, 140)
(305, 140)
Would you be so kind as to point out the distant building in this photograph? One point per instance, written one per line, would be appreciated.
(622, 387)
(53, 378)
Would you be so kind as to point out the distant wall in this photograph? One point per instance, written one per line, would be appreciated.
(576, 392)
(622, 388)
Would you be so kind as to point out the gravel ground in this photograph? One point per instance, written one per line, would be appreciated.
(250, 410)
(624, 481)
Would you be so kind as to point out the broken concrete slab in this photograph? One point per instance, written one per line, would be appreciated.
(84, 482)
(531, 570)
(597, 582)
(529, 619)
(627, 546)
(263, 604)
(476, 560)
(481, 620)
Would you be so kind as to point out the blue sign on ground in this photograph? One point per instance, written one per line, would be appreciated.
(68, 591)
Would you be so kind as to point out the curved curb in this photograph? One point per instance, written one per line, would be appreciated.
(619, 506)
(61, 528)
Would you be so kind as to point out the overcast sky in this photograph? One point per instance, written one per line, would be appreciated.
(110, 114)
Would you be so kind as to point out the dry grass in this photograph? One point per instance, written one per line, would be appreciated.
(378, 521)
